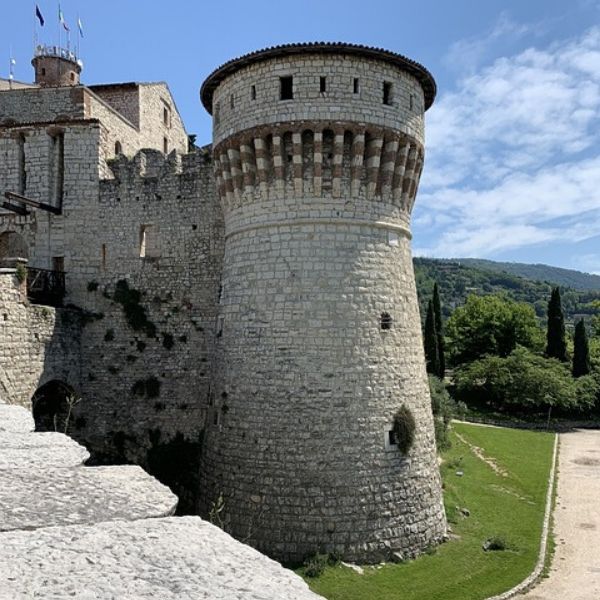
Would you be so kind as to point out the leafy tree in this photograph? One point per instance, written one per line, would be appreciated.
(432, 356)
(444, 409)
(556, 346)
(581, 351)
(596, 318)
(491, 325)
(439, 332)
(526, 381)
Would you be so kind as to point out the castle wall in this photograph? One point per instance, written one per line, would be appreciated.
(145, 379)
(154, 98)
(38, 344)
(39, 105)
(124, 98)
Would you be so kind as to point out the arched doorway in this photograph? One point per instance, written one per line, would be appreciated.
(13, 245)
(53, 406)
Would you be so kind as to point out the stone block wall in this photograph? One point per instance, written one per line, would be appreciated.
(38, 344)
(319, 337)
(146, 379)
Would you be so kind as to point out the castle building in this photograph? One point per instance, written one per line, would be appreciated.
(241, 320)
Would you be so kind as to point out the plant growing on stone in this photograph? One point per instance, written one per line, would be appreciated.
(404, 429)
(214, 514)
(315, 565)
(21, 273)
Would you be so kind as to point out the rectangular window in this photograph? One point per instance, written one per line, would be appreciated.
(165, 145)
(22, 170)
(166, 115)
(231, 102)
(253, 92)
(220, 322)
(323, 85)
(58, 264)
(387, 93)
(58, 168)
(411, 102)
(286, 88)
(103, 256)
(356, 85)
(149, 241)
(217, 113)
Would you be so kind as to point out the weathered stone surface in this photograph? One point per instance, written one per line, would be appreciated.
(41, 450)
(15, 419)
(177, 558)
(32, 498)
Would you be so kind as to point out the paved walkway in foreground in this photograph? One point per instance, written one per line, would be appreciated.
(575, 572)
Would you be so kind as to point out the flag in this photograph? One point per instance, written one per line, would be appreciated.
(80, 26)
(38, 14)
(61, 18)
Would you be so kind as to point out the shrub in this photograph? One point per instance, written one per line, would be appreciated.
(21, 273)
(496, 544)
(444, 409)
(314, 566)
(404, 429)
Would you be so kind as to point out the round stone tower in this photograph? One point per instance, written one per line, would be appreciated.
(56, 67)
(318, 149)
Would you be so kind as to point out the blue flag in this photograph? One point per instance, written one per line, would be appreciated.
(38, 14)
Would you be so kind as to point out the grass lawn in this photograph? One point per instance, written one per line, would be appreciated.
(507, 502)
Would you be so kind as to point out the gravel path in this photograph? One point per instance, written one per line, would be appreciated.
(575, 572)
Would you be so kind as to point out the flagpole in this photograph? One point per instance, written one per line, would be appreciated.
(9, 67)
(34, 28)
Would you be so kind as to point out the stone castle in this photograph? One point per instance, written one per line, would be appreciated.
(241, 320)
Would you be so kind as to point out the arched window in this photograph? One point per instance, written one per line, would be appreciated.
(118, 148)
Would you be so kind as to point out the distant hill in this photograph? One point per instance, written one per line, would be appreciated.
(458, 279)
(545, 273)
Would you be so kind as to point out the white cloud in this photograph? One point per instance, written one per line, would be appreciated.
(467, 54)
(513, 154)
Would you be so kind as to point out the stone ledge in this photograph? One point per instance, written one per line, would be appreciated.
(15, 418)
(42, 450)
(32, 498)
(174, 558)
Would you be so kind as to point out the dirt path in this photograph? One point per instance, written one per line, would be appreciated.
(575, 572)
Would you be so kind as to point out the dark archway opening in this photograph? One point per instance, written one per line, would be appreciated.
(53, 406)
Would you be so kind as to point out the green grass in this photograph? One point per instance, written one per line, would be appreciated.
(510, 507)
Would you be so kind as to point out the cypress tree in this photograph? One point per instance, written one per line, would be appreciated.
(581, 353)
(439, 332)
(432, 356)
(556, 346)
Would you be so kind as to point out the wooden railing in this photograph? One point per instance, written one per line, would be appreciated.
(45, 286)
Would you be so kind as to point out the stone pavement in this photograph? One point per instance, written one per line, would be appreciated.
(70, 531)
(575, 572)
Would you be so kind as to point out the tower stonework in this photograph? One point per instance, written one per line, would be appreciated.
(318, 149)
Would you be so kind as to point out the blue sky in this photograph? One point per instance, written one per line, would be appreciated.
(513, 151)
